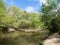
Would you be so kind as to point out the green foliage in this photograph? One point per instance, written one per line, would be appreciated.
(17, 18)
(13, 17)
(3, 17)
(50, 16)
(24, 24)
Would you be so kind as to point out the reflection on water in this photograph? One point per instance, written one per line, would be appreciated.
(20, 38)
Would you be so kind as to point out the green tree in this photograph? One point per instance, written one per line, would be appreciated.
(49, 15)
(3, 17)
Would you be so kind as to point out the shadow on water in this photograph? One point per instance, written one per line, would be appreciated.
(6, 41)
(15, 41)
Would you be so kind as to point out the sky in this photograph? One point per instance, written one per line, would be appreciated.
(28, 5)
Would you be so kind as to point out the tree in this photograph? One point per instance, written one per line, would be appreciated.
(16, 15)
(50, 15)
(3, 16)
(2, 13)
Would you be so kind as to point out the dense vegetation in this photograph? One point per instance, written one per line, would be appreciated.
(50, 16)
(16, 18)
(48, 21)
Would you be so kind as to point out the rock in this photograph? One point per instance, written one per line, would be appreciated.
(52, 40)
(11, 29)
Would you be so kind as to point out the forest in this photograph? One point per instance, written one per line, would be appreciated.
(18, 27)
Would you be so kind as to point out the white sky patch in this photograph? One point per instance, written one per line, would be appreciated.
(43, 1)
(59, 5)
(30, 9)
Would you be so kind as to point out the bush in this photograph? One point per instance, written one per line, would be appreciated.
(24, 24)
